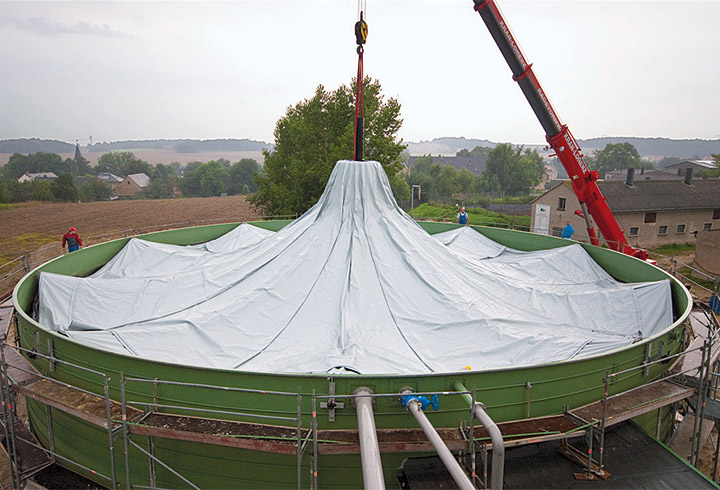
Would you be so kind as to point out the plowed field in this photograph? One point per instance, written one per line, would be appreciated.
(29, 226)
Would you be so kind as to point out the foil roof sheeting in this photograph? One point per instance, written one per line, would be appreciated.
(354, 285)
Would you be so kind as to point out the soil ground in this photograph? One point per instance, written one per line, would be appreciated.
(32, 231)
(29, 226)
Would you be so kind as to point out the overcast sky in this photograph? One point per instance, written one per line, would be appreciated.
(143, 70)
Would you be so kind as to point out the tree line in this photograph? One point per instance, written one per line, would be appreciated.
(201, 179)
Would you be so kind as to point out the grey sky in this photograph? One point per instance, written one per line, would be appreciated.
(143, 70)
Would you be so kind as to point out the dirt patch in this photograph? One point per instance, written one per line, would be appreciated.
(32, 231)
(29, 226)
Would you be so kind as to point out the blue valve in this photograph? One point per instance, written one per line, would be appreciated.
(423, 400)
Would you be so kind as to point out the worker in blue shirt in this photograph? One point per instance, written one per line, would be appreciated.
(568, 231)
(462, 217)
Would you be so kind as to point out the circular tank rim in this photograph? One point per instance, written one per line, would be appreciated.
(680, 319)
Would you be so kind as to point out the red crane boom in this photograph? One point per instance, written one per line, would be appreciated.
(584, 180)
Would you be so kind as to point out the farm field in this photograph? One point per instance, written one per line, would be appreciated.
(32, 225)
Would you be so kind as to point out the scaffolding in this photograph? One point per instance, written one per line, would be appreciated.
(694, 379)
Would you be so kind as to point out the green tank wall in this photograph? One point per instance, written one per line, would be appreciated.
(509, 394)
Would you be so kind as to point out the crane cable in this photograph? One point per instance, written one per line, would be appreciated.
(361, 30)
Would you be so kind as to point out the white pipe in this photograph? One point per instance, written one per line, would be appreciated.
(369, 446)
(498, 446)
(462, 480)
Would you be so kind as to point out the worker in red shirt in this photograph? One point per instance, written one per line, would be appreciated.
(72, 239)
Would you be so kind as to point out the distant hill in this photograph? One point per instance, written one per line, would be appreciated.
(183, 145)
(646, 146)
(687, 148)
(35, 145)
(446, 146)
(658, 146)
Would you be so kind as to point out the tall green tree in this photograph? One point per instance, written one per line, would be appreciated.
(316, 133)
(478, 151)
(512, 170)
(213, 179)
(5, 195)
(616, 156)
(64, 188)
(94, 190)
(425, 173)
(124, 163)
(18, 164)
(41, 190)
(161, 188)
(190, 183)
(242, 174)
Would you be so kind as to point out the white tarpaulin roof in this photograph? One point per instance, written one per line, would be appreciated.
(354, 284)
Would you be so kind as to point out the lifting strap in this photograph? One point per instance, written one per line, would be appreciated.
(361, 30)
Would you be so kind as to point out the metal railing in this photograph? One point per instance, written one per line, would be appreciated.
(306, 435)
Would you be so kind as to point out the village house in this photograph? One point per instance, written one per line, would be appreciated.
(650, 212)
(132, 184)
(29, 177)
(110, 179)
(643, 174)
(697, 165)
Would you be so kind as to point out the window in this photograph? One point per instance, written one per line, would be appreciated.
(680, 229)
(561, 203)
(716, 214)
(633, 231)
(650, 217)
(662, 230)
(707, 226)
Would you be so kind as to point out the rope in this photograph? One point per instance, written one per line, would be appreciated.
(359, 108)
(361, 30)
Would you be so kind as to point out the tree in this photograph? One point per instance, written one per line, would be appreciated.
(18, 164)
(5, 196)
(41, 190)
(161, 188)
(511, 170)
(478, 151)
(424, 173)
(190, 183)
(465, 181)
(19, 192)
(94, 190)
(316, 133)
(166, 171)
(64, 188)
(616, 156)
(213, 179)
(400, 188)
(204, 179)
(124, 163)
(242, 175)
